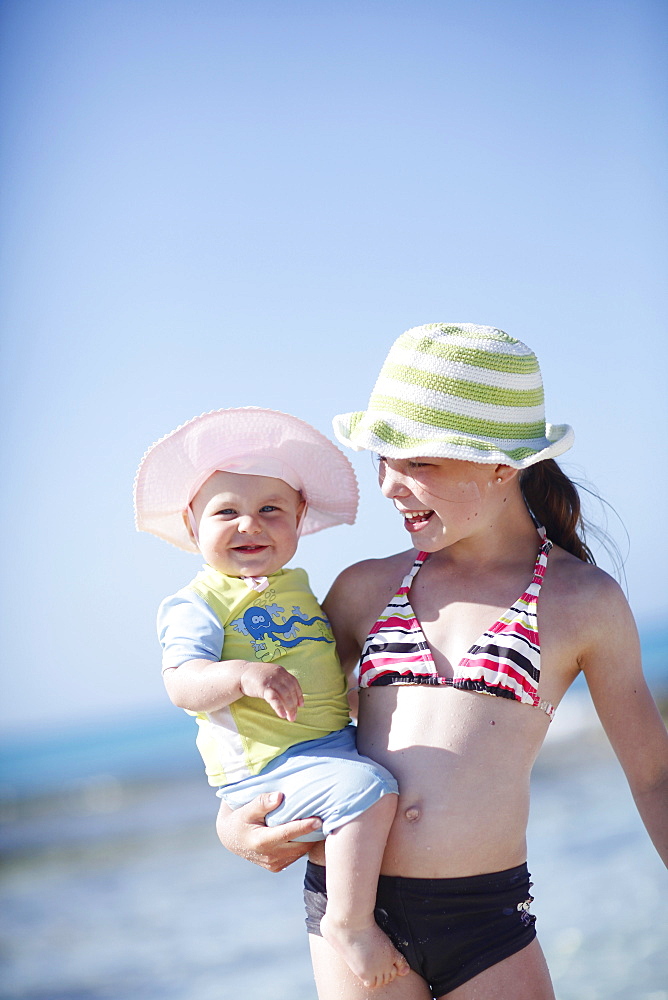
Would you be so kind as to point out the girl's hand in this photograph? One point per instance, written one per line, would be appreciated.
(243, 832)
(273, 683)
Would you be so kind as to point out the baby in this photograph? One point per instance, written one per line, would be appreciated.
(248, 650)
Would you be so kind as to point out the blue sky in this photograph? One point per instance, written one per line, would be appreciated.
(210, 204)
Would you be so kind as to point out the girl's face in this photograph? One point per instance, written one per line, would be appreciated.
(247, 525)
(441, 499)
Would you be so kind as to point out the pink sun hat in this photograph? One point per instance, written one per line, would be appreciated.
(247, 440)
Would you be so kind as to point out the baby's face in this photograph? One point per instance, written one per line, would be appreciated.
(247, 525)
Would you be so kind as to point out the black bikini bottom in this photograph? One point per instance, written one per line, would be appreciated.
(449, 929)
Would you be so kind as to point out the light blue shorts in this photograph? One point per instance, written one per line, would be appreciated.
(327, 778)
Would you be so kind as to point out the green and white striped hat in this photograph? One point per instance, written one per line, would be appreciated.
(457, 391)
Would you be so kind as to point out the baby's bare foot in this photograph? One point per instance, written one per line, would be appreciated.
(367, 950)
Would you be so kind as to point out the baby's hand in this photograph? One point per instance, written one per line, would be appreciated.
(273, 683)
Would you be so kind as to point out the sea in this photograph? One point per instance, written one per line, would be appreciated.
(113, 885)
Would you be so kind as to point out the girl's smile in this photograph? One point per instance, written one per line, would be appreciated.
(440, 499)
(415, 520)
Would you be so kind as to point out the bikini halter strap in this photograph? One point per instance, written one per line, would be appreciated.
(410, 576)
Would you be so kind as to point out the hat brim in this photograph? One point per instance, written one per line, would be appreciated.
(394, 437)
(174, 468)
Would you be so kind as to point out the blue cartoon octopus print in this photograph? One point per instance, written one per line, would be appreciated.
(270, 638)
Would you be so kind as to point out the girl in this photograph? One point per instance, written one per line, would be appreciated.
(465, 650)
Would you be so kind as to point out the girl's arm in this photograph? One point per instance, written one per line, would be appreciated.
(337, 607)
(341, 606)
(611, 663)
(243, 831)
(209, 685)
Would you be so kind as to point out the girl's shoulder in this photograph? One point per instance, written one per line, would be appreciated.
(356, 598)
(585, 598)
(376, 573)
(361, 591)
(570, 574)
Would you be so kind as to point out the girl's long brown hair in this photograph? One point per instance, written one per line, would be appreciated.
(555, 503)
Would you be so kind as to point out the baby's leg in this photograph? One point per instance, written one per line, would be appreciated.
(354, 853)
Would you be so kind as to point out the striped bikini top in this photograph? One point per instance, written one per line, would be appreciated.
(504, 662)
